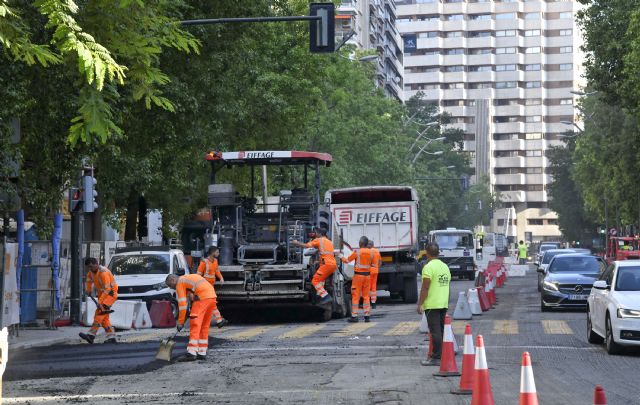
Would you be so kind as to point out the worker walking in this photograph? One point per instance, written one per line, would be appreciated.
(434, 299)
(194, 288)
(375, 268)
(522, 253)
(100, 279)
(327, 262)
(208, 269)
(361, 282)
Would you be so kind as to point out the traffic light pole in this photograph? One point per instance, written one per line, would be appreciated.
(76, 266)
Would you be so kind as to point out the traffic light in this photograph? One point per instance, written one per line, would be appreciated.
(89, 194)
(75, 199)
(322, 32)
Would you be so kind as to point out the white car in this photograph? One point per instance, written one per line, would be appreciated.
(613, 314)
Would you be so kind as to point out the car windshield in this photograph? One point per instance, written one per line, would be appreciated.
(628, 279)
(454, 240)
(544, 248)
(140, 264)
(576, 264)
(549, 255)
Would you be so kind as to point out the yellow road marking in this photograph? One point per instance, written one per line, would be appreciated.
(403, 328)
(148, 336)
(353, 329)
(458, 327)
(506, 327)
(249, 333)
(302, 331)
(556, 327)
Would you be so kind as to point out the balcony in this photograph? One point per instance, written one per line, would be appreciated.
(516, 144)
(512, 196)
(509, 179)
(517, 161)
(536, 196)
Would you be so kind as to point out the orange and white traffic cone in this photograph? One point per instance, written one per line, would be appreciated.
(448, 366)
(598, 396)
(528, 393)
(482, 394)
(468, 365)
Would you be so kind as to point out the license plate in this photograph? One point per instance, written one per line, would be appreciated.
(455, 266)
(578, 297)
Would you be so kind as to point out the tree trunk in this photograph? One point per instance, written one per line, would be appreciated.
(132, 216)
(142, 218)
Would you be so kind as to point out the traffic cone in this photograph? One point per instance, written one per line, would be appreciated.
(598, 396)
(482, 394)
(448, 366)
(468, 364)
(528, 393)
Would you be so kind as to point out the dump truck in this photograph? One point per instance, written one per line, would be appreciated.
(389, 216)
(254, 231)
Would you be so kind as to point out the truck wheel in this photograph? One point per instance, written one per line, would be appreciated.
(326, 314)
(410, 293)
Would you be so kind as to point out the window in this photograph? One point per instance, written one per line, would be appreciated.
(566, 14)
(504, 68)
(533, 153)
(425, 1)
(534, 170)
(566, 101)
(479, 34)
(453, 86)
(532, 67)
(470, 103)
(505, 137)
(532, 33)
(534, 187)
(507, 153)
(506, 85)
(533, 101)
(500, 51)
(454, 17)
(479, 51)
(566, 49)
(480, 68)
(566, 66)
(429, 34)
(535, 222)
(566, 33)
(453, 34)
(452, 103)
(503, 119)
(506, 16)
(429, 17)
(532, 49)
(453, 1)
(532, 85)
(531, 16)
(456, 68)
(506, 101)
(533, 118)
(480, 17)
(506, 33)
(404, 20)
(454, 51)
(532, 136)
(480, 85)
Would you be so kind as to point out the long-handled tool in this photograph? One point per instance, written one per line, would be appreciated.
(100, 307)
(166, 348)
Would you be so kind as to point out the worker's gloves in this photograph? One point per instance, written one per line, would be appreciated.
(221, 281)
(111, 293)
(179, 327)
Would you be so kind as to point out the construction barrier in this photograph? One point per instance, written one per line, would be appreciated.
(141, 317)
(463, 310)
(598, 396)
(474, 301)
(162, 314)
(484, 300)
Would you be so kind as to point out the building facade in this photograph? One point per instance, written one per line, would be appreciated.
(504, 70)
(373, 23)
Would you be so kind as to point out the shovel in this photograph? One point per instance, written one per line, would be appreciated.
(166, 348)
(100, 306)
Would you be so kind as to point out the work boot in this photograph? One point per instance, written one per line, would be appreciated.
(430, 362)
(201, 357)
(367, 319)
(111, 340)
(188, 357)
(222, 323)
(353, 319)
(325, 300)
(89, 338)
(373, 305)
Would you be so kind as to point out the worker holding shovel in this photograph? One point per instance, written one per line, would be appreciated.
(100, 278)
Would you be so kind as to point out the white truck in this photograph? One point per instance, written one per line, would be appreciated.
(388, 215)
(457, 250)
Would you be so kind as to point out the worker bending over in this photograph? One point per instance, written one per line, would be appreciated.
(360, 284)
(375, 268)
(195, 289)
(100, 279)
(208, 268)
(327, 262)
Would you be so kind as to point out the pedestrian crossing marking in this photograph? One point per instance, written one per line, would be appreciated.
(552, 327)
(505, 327)
(403, 328)
(249, 333)
(152, 335)
(353, 329)
(301, 332)
(458, 327)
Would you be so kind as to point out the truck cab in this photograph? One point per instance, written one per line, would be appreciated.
(622, 248)
(457, 250)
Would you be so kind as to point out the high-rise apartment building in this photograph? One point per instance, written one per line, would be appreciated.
(373, 23)
(504, 70)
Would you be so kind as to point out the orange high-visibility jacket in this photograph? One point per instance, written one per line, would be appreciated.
(103, 281)
(363, 258)
(209, 270)
(325, 249)
(377, 259)
(192, 286)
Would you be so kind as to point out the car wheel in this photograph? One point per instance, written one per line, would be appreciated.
(612, 346)
(592, 337)
(543, 307)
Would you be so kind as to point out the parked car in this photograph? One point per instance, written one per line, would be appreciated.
(613, 314)
(544, 263)
(568, 280)
(544, 246)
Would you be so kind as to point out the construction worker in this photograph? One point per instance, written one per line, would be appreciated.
(522, 253)
(327, 262)
(194, 288)
(434, 299)
(360, 284)
(208, 267)
(100, 279)
(375, 268)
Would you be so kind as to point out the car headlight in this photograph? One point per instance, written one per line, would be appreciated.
(548, 285)
(628, 313)
(159, 286)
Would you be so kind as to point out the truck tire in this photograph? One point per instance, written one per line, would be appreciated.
(410, 293)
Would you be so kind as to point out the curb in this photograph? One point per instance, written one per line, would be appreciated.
(31, 345)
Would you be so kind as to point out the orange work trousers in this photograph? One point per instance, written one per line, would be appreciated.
(360, 286)
(324, 271)
(373, 285)
(200, 320)
(100, 319)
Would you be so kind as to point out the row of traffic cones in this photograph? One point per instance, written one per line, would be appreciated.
(474, 379)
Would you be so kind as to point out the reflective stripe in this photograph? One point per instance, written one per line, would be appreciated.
(197, 284)
(187, 281)
(182, 299)
(205, 341)
(322, 251)
(181, 307)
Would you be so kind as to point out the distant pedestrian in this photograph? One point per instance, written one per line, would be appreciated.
(522, 253)
(434, 299)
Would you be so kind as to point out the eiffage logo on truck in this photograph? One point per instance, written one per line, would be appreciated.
(371, 217)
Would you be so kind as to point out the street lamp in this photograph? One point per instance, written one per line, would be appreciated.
(427, 125)
(366, 58)
(582, 93)
(422, 150)
(580, 130)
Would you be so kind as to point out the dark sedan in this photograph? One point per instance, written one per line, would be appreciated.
(568, 280)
